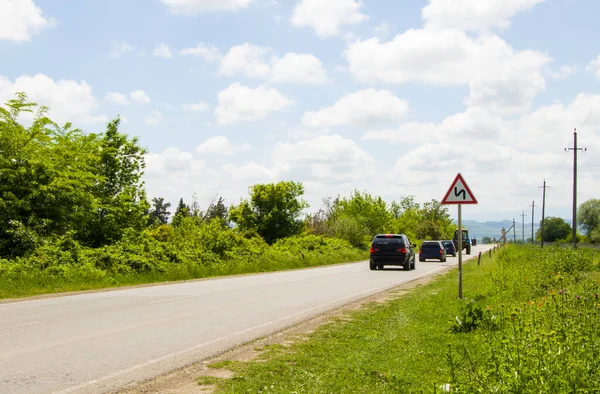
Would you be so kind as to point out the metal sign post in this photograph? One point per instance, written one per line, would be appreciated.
(459, 193)
(460, 251)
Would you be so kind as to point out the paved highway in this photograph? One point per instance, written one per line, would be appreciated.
(98, 342)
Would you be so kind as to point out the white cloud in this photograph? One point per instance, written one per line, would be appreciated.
(329, 158)
(474, 124)
(473, 14)
(250, 173)
(250, 60)
(497, 75)
(238, 103)
(361, 108)
(326, 17)
(171, 160)
(139, 96)
(154, 118)
(117, 98)
(220, 145)
(119, 47)
(195, 107)
(190, 7)
(594, 67)
(162, 50)
(298, 68)
(20, 19)
(245, 59)
(208, 53)
(68, 100)
(563, 72)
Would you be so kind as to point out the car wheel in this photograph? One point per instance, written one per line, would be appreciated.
(454, 255)
(414, 263)
(372, 266)
(468, 250)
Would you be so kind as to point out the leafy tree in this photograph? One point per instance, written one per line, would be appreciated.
(45, 177)
(555, 229)
(435, 221)
(371, 211)
(159, 213)
(486, 240)
(273, 210)
(120, 197)
(589, 217)
(407, 216)
(217, 210)
(182, 211)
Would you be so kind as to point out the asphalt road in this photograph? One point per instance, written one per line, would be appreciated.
(98, 342)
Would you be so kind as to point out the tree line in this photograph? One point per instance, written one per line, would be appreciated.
(59, 181)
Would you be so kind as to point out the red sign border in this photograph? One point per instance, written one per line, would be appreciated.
(459, 176)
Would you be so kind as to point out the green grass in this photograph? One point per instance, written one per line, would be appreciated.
(415, 344)
(32, 281)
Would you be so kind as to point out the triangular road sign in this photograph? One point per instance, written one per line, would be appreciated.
(459, 193)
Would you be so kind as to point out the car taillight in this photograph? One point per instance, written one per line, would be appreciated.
(420, 251)
(373, 250)
(441, 251)
(402, 250)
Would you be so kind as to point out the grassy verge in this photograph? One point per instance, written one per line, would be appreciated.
(56, 268)
(529, 324)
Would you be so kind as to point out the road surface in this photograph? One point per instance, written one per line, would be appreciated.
(99, 342)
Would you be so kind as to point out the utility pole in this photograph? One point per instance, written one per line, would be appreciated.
(543, 210)
(575, 149)
(532, 213)
(523, 227)
(514, 233)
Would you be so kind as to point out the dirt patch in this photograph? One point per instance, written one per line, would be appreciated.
(186, 380)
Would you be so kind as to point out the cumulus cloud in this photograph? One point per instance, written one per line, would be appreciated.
(117, 98)
(162, 50)
(473, 14)
(362, 108)
(119, 47)
(220, 145)
(191, 7)
(21, 19)
(298, 68)
(245, 59)
(594, 67)
(206, 52)
(68, 100)
(251, 61)
(154, 118)
(497, 75)
(326, 17)
(140, 97)
(239, 103)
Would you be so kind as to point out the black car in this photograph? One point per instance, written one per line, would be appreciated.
(450, 249)
(392, 249)
(432, 250)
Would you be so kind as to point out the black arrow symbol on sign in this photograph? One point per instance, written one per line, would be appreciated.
(458, 193)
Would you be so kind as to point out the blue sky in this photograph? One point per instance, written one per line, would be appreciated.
(391, 97)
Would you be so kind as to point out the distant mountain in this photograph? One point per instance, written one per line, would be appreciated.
(493, 229)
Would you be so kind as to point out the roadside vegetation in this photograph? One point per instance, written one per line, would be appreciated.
(528, 324)
(74, 215)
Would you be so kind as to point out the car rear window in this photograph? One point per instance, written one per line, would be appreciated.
(388, 241)
(430, 245)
